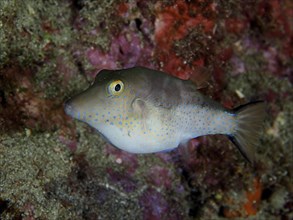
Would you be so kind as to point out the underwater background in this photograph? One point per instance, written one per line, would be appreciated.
(53, 167)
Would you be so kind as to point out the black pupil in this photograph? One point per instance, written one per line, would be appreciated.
(117, 87)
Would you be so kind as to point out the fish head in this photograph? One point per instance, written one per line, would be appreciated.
(109, 100)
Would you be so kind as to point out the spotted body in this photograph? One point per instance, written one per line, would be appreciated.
(140, 110)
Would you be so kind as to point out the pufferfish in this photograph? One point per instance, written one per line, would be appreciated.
(141, 110)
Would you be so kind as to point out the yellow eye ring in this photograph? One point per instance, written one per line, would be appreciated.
(116, 87)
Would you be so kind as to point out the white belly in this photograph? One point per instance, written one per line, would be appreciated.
(145, 139)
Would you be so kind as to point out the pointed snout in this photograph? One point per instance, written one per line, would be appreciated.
(68, 108)
(84, 105)
(80, 106)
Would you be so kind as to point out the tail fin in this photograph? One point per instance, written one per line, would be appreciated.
(249, 122)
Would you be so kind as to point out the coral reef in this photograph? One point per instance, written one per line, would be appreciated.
(52, 167)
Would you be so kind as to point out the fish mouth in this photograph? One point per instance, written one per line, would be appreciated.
(68, 108)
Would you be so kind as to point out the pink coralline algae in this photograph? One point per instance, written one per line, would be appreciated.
(126, 50)
(123, 180)
(155, 206)
(160, 177)
(126, 160)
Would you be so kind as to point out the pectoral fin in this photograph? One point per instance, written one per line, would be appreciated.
(140, 109)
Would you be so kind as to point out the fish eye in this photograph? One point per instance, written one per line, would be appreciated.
(116, 87)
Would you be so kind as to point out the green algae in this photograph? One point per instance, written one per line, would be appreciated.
(23, 29)
(28, 162)
(98, 17)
